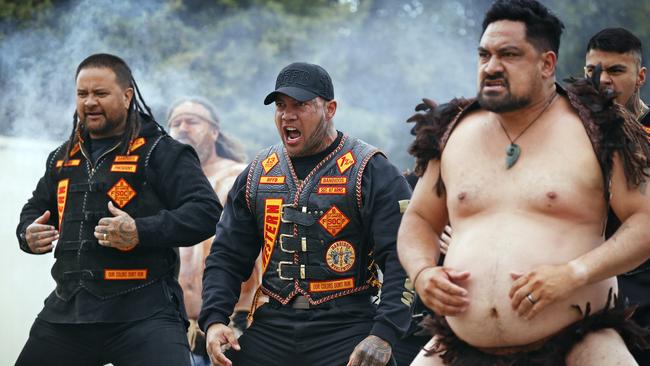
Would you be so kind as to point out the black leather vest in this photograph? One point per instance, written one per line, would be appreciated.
(83, 193)
(314, 240)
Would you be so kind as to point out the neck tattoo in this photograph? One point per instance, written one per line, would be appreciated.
(513, 150)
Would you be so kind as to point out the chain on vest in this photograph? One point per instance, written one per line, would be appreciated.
(83, 192)
(314, 240)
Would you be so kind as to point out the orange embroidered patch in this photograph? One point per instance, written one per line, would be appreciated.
(647, 130)
(59, 163)
(268, 179)
(345, 162)
(340, 256)
(336, 285)
(334, 180)
(136, 144)
(75, 150)
(272, 215)
(121, 193)
(332, 190)
(127, 158)
(270, 162)
(61, 198)
(125, 274)
(333, 221)
(124, 168)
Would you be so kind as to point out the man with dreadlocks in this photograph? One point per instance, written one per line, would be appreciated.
(194, 121)
(119, 197)
(525, 174)
(619, 54)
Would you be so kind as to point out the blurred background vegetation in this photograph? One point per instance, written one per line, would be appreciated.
(383, 55)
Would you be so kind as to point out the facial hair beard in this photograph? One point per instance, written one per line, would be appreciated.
(203, 148)
(105, 128)
(318, 140)
(506, 103)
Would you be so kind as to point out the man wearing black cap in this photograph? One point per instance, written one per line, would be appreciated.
(323, 207)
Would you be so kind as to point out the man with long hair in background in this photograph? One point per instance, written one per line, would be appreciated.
(118, 198)
(194, 121)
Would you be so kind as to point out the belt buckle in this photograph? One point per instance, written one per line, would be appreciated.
(282, 212)
(282, 236)
(303, 243)
(280, 271)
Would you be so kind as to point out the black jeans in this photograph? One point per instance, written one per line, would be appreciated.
(158, 340)
(315, 337)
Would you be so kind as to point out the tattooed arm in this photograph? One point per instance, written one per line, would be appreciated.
(372, 351)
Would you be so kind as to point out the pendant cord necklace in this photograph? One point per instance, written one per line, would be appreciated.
(513, 150)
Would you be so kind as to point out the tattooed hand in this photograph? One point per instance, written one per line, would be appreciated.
(372, 351)
(39, 235)
(118, 232)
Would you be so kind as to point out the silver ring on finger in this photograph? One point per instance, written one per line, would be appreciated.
(531, 298)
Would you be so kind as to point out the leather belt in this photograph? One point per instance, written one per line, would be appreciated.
(292, 215)
(301, 302)
(292, 244)
(289, 271)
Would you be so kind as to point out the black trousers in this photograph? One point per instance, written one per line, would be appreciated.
(315, 337)
(158, 340)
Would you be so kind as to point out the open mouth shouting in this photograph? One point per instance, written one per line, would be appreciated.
(292, 136)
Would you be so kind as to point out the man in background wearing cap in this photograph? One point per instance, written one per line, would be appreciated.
(619, 53)
(324, 207)
(194, 121)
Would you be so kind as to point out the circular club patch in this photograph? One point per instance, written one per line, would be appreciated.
(340, 256)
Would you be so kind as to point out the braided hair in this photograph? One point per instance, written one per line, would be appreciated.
(137, 107)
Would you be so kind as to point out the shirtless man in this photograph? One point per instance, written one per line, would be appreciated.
(194, 122)
(619, 53)
(518, 179)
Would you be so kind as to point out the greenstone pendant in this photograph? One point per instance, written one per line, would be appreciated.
(512, 154)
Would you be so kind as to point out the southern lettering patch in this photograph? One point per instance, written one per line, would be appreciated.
(124, 168)
(272, 214)
(340, 256)
(126, 158)
(333, 221)
(61, 198)
(336, 285)
(345, 162)
(333, 180)
(137, 143)
(125, 274)
(270, 162)
(75, 149)
(332, 190)
(121, 193)
(269, 179)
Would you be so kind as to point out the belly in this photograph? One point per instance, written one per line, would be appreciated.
(490, 248)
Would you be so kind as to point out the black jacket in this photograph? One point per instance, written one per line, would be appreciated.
(187, 211)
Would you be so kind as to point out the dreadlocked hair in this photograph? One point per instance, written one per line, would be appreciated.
(137, 107)
(618, 130)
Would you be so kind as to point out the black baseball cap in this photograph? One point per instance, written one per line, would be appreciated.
(302, 82)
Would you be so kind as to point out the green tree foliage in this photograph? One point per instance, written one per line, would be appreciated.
(384, 55)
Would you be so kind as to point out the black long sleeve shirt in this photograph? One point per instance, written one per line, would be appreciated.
(192, 211)
(237, 245)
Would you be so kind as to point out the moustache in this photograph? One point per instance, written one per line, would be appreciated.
(494, 77)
